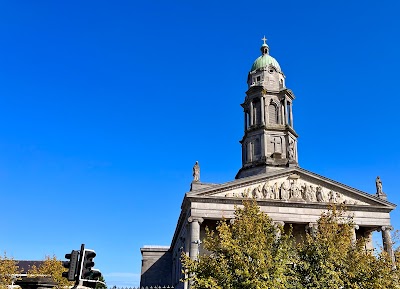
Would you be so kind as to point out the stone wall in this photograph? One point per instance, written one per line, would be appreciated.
(156, 266)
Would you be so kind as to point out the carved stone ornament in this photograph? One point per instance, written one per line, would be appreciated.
(293, 189)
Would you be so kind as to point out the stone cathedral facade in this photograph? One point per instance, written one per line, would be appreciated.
(289, 194)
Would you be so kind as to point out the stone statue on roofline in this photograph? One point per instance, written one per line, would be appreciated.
(196, 172)
(379, 191)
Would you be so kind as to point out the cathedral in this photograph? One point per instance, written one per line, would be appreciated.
(270, 173)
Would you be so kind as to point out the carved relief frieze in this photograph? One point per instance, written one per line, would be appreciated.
(292, 188)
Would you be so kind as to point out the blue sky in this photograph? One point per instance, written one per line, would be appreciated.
(106, 105)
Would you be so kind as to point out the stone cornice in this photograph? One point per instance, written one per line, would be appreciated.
(280, 203)
(280, 127)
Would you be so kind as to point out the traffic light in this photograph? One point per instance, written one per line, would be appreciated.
(71, 265)
(87, 270)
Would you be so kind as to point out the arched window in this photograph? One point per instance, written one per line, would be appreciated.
(272, 114)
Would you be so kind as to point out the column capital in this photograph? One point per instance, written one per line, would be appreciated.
(192, 219)
(277, 223)
(384, 228)
(278, 227)
(312, 228)
(312, 225)
(356, 227)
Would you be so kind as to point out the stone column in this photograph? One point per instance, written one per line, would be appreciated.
(284, 115)
(187, 248)
(354, 234)
(291, 115)
(251, 113)
(245, 121)
(368, 241)
(262, 101)
(312, 229)
(277, 225)
(194, 236)
(387, 241)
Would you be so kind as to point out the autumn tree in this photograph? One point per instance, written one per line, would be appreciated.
(251, 253)
(51, 267)
(8, 271)
(248, 253)
(332, 258)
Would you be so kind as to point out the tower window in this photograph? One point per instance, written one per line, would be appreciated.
(258, 78)
(272, 113)
(257, 112)
(289, 113)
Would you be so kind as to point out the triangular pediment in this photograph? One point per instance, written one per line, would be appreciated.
(294, 185)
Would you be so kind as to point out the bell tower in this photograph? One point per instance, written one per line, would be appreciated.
(270, 141)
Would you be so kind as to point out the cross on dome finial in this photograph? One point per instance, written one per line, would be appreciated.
(264, 39)
(264, 47)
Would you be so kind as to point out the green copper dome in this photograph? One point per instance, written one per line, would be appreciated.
(264, 61)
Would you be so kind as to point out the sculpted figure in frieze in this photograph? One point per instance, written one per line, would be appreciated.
(313, 193)
(295, 192)
(339, 198)
(248, 193)
(320, 194)
(285, 190)
(257, 192)
(275, 191)
(271, 193)
(309, 193)
(266, 191)
(244, 193)
(332, 197)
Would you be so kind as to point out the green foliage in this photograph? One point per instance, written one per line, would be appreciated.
(246, 254)
(331, 260)
(51, 267)
(8, 271)
(100, 285)
(243, 254)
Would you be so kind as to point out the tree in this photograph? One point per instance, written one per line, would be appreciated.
(245, 253)
(51, 267)
(101, 285)
(8, 271)
(248, 254)
(330, 258)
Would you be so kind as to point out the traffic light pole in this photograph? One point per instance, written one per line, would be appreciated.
(78, 278)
